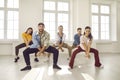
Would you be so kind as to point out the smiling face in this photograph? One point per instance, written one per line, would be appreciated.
(41, 28)
(79, 31)
(87, 32)
(29, 31)
(60, 28)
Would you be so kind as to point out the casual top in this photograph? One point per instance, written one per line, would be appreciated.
(40, 40)
(60, 39)
(26, 37)
(84, 39)
(76, 39)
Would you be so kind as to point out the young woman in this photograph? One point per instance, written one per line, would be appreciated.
(27, 37)
(85, 46)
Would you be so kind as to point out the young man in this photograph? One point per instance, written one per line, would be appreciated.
(60, 41)
(77, 38)
(40, 44)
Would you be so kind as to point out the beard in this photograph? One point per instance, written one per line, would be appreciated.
(41, 31)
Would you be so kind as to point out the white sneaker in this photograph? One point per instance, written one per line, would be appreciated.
(102, 66)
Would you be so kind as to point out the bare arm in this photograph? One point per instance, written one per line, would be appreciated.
(89, 46)
(85, 47)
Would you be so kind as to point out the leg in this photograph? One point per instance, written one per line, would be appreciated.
(26, 53)
(71, 63)
(55, 52)
(74, 46)
(17, 51)
(68, 47)
(36, 59)
(96, 57)
(18, 47)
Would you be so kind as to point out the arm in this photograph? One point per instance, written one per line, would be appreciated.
(85, 46)
(89, 46)
(88, 49)
(35, 41)
(25, 40)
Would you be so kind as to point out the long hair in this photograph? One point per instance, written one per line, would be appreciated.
(90, 35)
(28, 29)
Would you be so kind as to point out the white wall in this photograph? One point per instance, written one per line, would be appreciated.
(81, 13)
(31, 14)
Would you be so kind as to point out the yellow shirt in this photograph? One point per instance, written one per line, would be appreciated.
(26, 37)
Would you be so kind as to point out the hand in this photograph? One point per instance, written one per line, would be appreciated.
(27, 46)
(39, 49)
(87, 55)
(40, 53)
(62, 49)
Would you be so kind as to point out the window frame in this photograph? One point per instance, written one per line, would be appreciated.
(99, 14)
(6, 9)
(56, 15)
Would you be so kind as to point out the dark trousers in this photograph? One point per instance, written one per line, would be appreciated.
(22, 45)
(50, 49)
(79, 49)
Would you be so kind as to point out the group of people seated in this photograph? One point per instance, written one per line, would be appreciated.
(38, 42)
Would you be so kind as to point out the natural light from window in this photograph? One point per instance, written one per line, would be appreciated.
(101, 22)
(56, 13)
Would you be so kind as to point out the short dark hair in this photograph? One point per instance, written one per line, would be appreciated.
(41, 24)
(79, 28)
(61, 26)
(88, 27)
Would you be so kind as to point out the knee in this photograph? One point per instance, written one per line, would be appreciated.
(55, 52)
(16, 47)
(25, 52)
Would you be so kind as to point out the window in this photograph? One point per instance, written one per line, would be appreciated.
(1, 3)
(56, 13)
(9, 16)
(12, 28)
(1, 24)
(101, 21)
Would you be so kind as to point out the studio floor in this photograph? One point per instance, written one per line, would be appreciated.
(84, 68)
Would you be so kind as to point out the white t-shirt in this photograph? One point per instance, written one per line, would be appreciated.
(84, 39)
(58, 38)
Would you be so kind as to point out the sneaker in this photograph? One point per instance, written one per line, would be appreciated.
(16, 59)
(36, 60)
(71, 67)
(56, 67)
(101, 66)
(26, 68)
